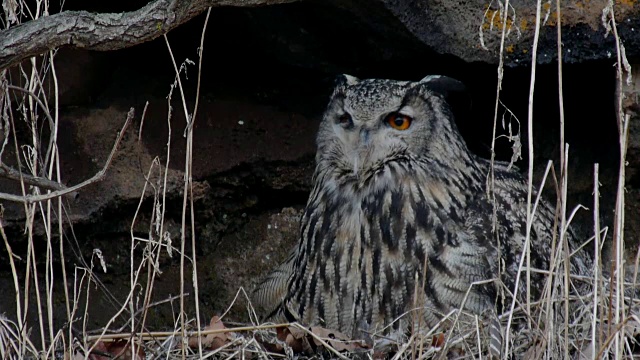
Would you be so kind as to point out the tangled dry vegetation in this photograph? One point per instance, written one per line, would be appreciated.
(603, 324)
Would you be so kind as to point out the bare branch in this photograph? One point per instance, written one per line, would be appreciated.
(13, 174)
(35, 97)
(108, 31)
(97, 177)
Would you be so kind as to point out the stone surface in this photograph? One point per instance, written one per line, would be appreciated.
(362, 33)
(472, 30)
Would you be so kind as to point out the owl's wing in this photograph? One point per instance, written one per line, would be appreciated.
(270, 292)
(503, 220)
(461, 261)
(483, 236)
(499, 225)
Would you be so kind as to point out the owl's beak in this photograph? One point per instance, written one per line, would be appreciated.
(362, 151)
(364, 137)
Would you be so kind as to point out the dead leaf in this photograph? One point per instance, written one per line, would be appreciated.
(309, 341)
(212, 341)
(295, 338)
(437, 341)
(337, 340)
(99, 352)
(116, 350)
(380, 355)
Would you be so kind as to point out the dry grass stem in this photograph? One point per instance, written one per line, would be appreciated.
(30, 199)
(600, 323)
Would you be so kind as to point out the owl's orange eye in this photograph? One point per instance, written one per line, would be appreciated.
(399, 121)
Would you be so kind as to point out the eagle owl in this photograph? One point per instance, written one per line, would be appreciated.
(400, 211)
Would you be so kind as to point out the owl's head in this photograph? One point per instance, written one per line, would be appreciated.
(371, 122)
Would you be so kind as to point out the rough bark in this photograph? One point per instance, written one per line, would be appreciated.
(108, 31)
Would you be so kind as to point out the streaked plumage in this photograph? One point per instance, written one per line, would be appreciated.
(386, 201)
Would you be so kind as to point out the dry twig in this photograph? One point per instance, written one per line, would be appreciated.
(30, 199)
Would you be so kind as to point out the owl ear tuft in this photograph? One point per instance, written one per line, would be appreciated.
(341, 83)
(345, 80)
(454, 92)
(443, 85)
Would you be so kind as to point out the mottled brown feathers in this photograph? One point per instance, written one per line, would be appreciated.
(385, 202)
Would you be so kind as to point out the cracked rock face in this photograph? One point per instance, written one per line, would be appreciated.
(472, 30)
(338, 34)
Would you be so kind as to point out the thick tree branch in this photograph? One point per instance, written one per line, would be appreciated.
(13, 174)
(102, 32)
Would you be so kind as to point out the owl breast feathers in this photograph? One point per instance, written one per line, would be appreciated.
(400, 215)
